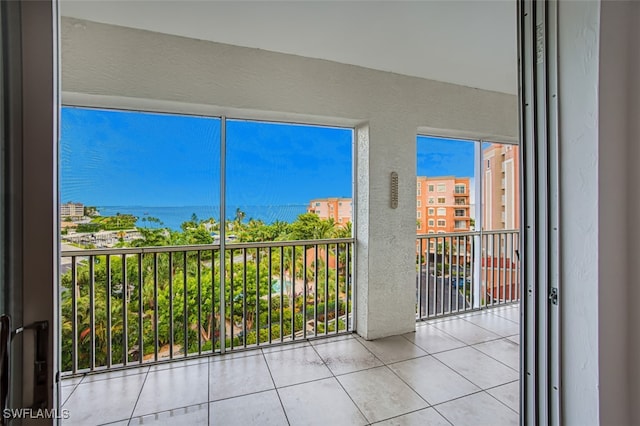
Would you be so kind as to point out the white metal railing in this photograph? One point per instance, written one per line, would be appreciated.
(132, 306)
(458, 272)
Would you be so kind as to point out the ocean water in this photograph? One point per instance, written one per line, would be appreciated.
(172, 217)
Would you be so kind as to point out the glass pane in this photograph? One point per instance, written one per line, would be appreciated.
(122, 169)
(277, 172)
(446, 185)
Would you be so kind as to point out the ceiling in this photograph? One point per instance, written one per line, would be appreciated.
(467, 42)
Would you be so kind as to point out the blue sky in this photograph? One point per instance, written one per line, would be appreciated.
(445, 157)
(140, 159)
(117, 158)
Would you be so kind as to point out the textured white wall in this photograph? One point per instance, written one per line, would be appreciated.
(115, 66)
(578, 141)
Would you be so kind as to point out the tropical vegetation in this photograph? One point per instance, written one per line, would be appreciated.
(148, 304)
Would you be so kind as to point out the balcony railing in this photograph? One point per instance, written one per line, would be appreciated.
(467, 271)
(132, 306)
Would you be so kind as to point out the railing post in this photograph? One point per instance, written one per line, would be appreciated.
(476, 270)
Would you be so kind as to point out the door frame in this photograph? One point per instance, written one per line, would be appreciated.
(30, 98)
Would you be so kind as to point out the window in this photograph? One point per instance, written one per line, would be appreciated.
(419, 214)
(430, 188)
(431, 200)
(442, 223)
(418, 225)
(138, 151)
(419, 192)
(460, 224)
(431, 211)
(488, 164)
(461, 201)
(441, 232)
(419, 184)
(431, 232)
(442, 211)
(442, 187)
(460, 212)
(460, 189)
(419, 203)
(441, 200)
(130, 159)
(340, 204)
(431, 222)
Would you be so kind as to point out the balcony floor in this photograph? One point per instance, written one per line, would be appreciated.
(459, 370)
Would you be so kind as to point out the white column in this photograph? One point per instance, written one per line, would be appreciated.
(386, 295)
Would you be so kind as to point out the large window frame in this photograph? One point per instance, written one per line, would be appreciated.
(72, 102)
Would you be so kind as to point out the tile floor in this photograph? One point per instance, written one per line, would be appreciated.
(458, 371)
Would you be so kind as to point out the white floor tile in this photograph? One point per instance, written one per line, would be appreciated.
(504, 350)
(466, 331)
(347, 356)
(285, 347)
(173, 388)
(179, 364)
(321, 403)
(433, 380)
(511, 313)
(393, 349)
(380, 394)
(262, 409)
(241, 384)
(71, 381)
(65, 393)
(478, 409)
(426, 417)
(508, 394)
(238, 376)
(433, 340)
(477, 367)
(296, 366)
(495, 324)
(103, 401)
(192, 415)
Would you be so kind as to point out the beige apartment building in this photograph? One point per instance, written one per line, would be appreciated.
(71, 210)
(442, 204)
(338, 209)
(500, 186)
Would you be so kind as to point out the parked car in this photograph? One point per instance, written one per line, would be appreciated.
(460, 282)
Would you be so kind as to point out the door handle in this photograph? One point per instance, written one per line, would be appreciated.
(40, 365)
(40, 390)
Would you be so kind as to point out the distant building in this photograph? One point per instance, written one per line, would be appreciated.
(442, 204)
(72, 210)
(68, 226)
(500, 188)
(338, 209)
(500, 210)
